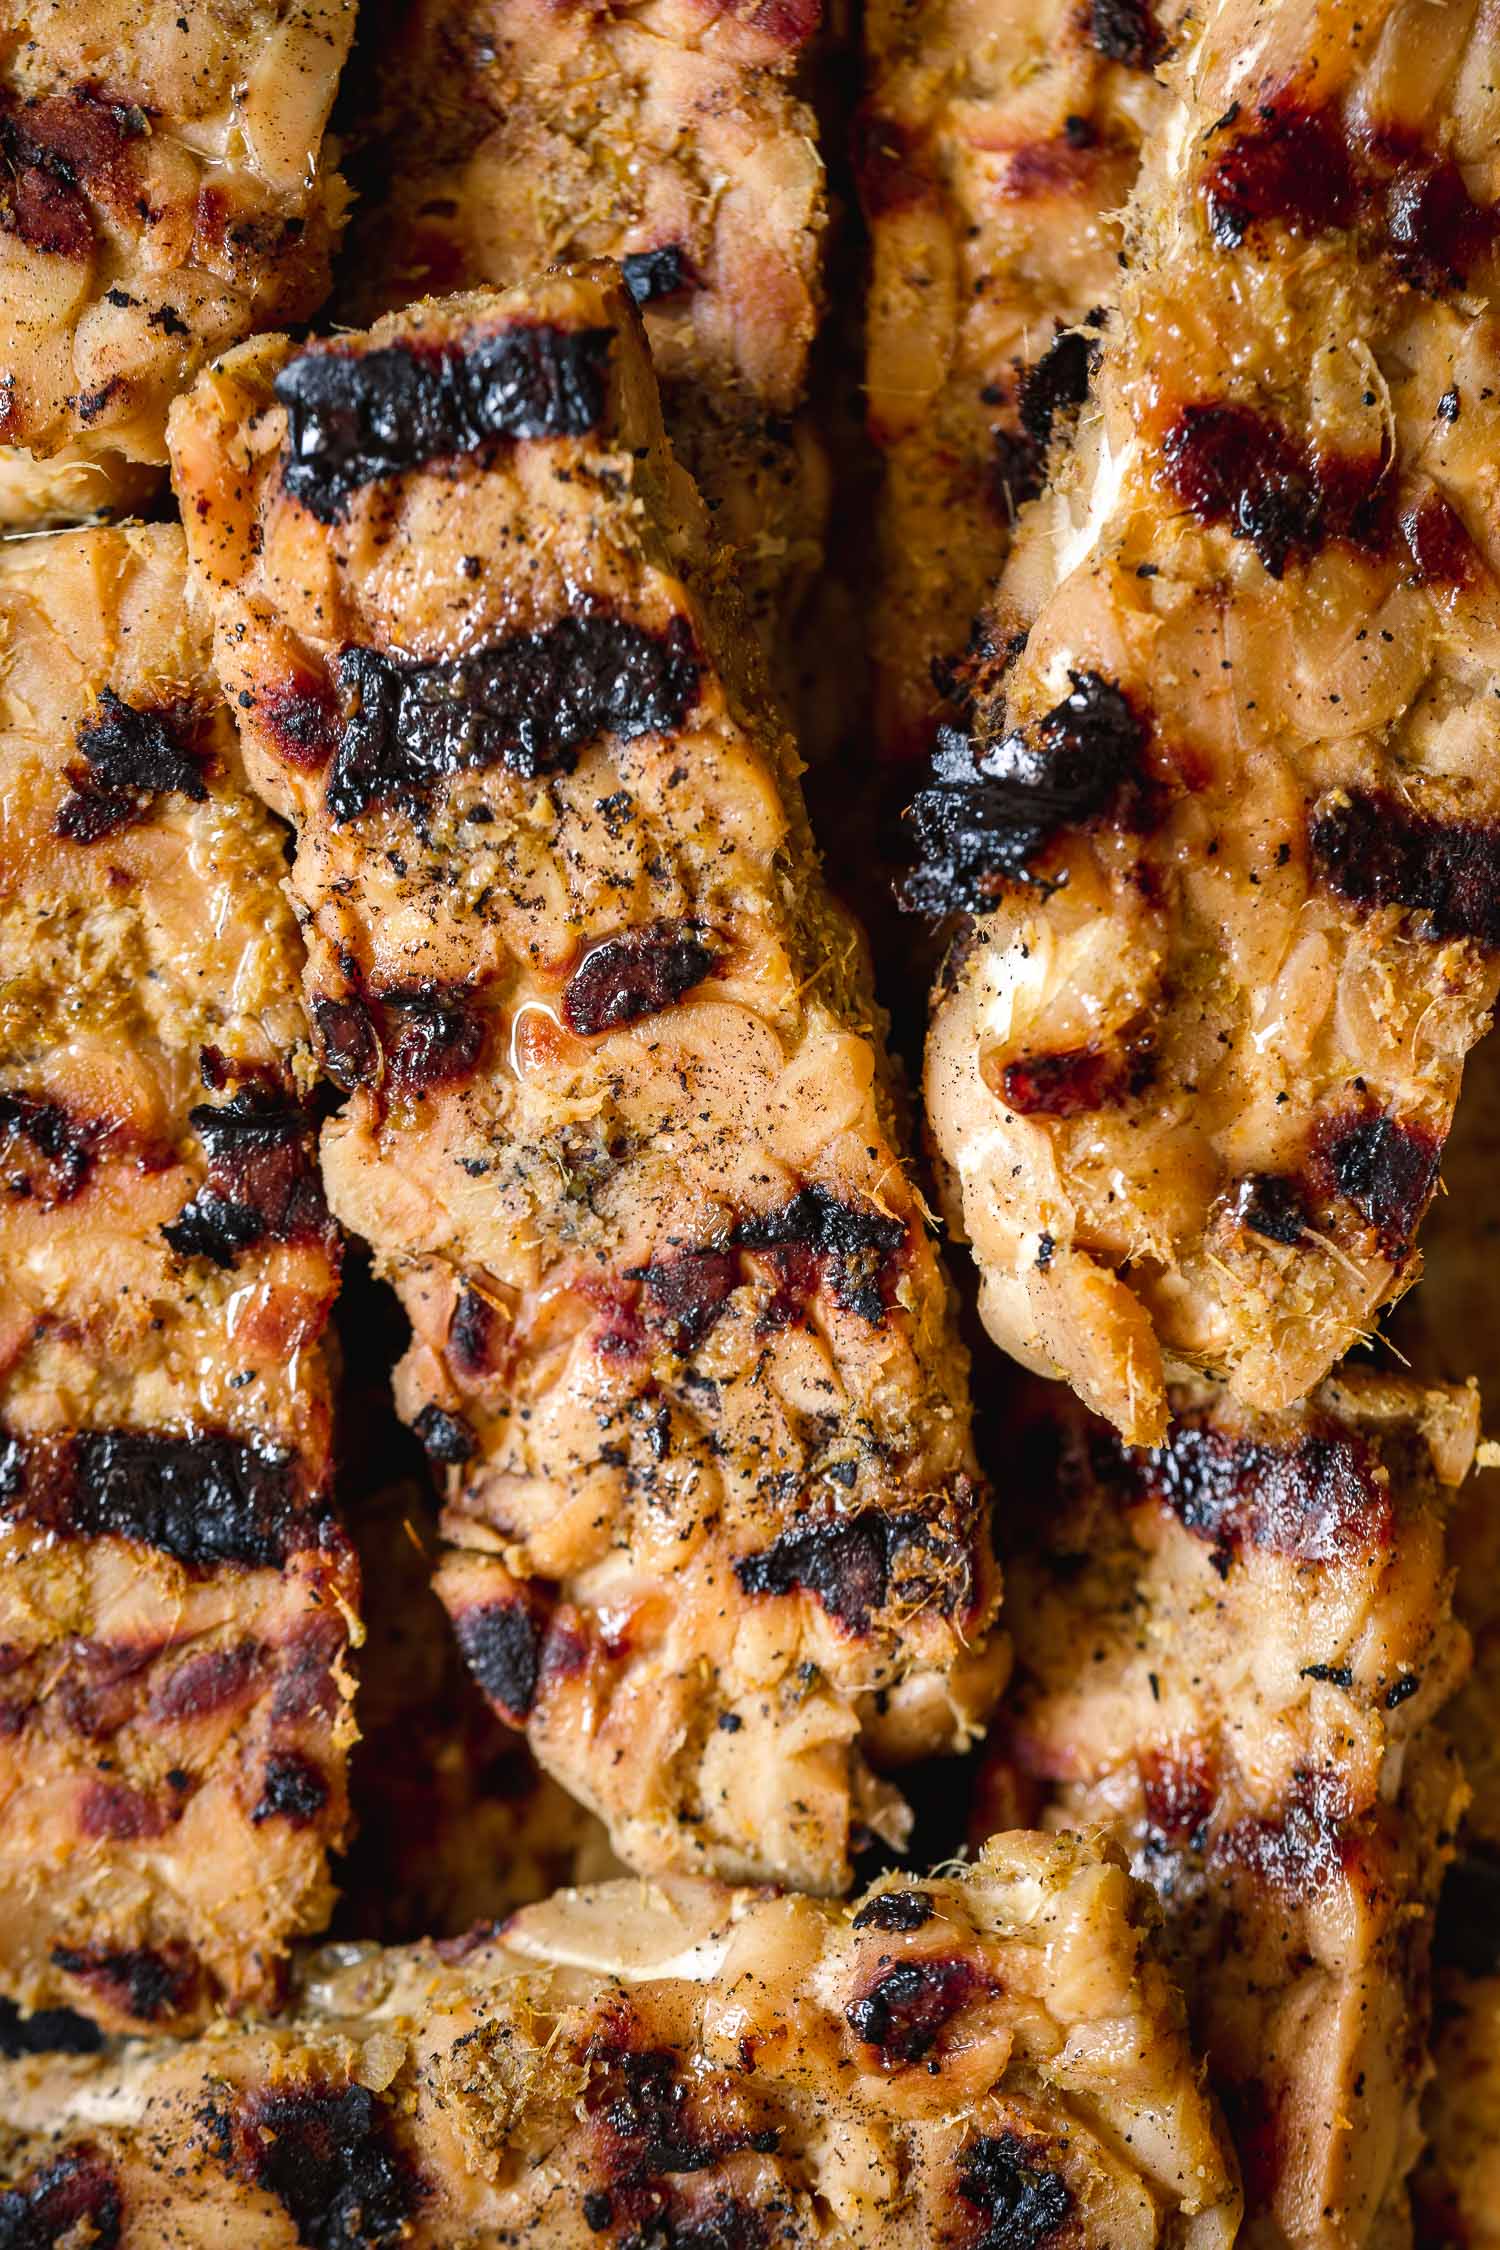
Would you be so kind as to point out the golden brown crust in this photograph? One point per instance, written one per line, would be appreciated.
(995, 2055)
(618, 1128)
(176, 1597)
(1231, 1652)
(1192, 1101)
(165, 193)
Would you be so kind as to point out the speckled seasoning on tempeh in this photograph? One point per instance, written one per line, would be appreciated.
(618, 1125)
(177, 1597)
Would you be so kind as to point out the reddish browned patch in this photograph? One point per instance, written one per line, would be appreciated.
(889, 165)
(1441, 550)
(124, 1815)
(208, 1682)
(1180, 1784)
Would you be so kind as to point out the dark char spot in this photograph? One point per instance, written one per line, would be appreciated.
(293, 1789)
(906, 2007)
(686, 1294)
(1049, 390)
(356, 417)
(50, 2031)
(635, 974)
(991, 808)
(529, 702)
(895, 1910)
(1316, 1499)
(445, 1437)
(1271, 1204)
(348, 1046)
(206, 1499)
(1386, 1169)
(651, 275)
(64, 1143)
(129, 756)
(328, 2156)
(73, 2199)
(858, 1249)
(502, 1646)
(1022, 2202)
(438, 1038)
(1072, 1085)
(1373, 849)
(1315, 170)
(1231, 465)
(1123, 31)
(844, 1560)
(263, 1181)
(151, 1986)
(646, 2108)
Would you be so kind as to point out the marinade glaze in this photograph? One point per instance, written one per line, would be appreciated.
(617, 1122)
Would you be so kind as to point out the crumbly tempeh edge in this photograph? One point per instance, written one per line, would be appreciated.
(995, 2054)
(1231, 1651)
(164, 191)
(619, 1125)
(176, 1594)
(510, 136)
(1227, 825)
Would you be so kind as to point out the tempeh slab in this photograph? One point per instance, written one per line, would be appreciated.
(618, 1123)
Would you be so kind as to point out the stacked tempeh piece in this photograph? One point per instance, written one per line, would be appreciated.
(618, 1126)
(1214, 790)
(177, 1598)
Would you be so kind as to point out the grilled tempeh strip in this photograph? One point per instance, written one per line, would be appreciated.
(163, 193)
(1228, 824)
(511, 136)
(618, 1126)
(993, 2058)
(996, 150)
(175, 1593)
(1231, 1651)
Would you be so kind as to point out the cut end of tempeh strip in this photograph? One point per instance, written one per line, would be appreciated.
(619, 1126)
(165, 192)
(176, 1597)
(1230, 1653)
(1227, 825)
(967, 2054)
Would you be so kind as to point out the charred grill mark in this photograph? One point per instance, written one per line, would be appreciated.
(895, 1911)
(207, 1682)
(348, 1044)
(64, 1143)
(263, 1182)
(635, 974)
(54, 148)
(112, 1809)
(473, 1334)
(356, 418)
(130, 755)
(1050, 390)
(1385, 1168)
(993, 807)
(651, 275)
(646, 2113)
(845, 1561)
(1071, 1085)
(906, 2007)
(445, 1437)
(1371, 848)
(438, 1040)
(1022, 2203)
(306, 1685)
(329, 2156)
(1234, 466)
(149, 1985)
(1124, 32)
(300, 714)
(1316, 1499)
(1302, 1851)
(685, 1295)
(502, 1646)
(857, 1250)
(48, 2031)
(1314, 171)
(73, 2199)
(206, 1499)
(293, 1789)
(530, 703)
